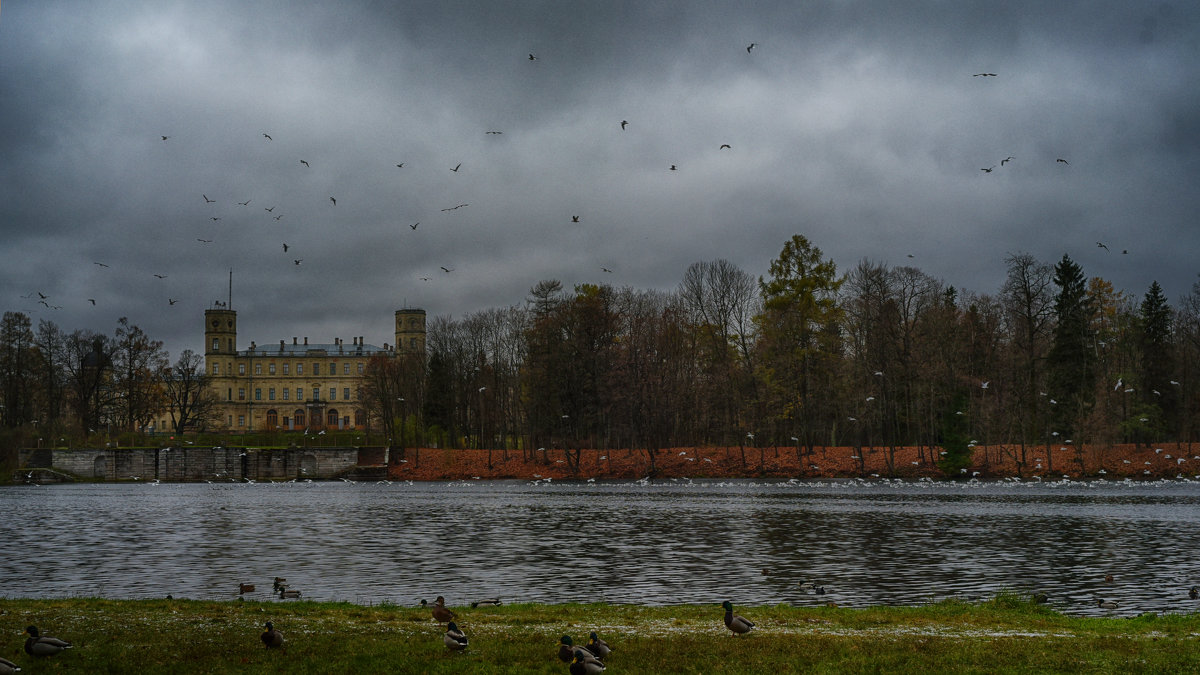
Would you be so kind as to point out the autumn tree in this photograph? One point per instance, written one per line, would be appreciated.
(138, 363)
(191, 401)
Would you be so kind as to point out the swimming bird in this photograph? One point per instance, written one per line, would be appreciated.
(585, 663)
(738, 624)
(270, 637)
(289, 594)
(207, 200)
(43, 645)
(1194, 593)
(333, 200)
(1107, 604)
(440, 613)
(597, 646)
(623, 124)
(454, 639)
(245, 588)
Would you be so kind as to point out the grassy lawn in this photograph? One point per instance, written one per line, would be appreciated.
(1006, 634)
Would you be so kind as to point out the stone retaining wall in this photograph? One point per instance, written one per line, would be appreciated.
(190, 463)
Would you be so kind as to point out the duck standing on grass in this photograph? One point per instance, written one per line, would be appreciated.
(454, 639)
(585, 663)
(271, 638)
(738, 624)
(566, 649)
(43, 645)
(440, 613)
(7, 667)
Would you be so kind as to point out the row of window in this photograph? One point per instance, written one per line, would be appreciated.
(298, 419)
(286, 393)
(286, 368)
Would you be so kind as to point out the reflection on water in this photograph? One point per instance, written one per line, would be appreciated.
(659, 542)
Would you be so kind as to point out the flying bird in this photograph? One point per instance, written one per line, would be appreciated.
(673, 168)
(623, 124)
(214, 219)
(172, 301)
(455, 169)
(414, 225)
(400, 165)
(160, 276)
(333, 200)
(453, 207)
(574, 219)
(984, 75)
(424, 278)
(207, 200)
(285, 247)
(1060, 159)
(100, 264)
(495, 133)
(988, 170)
(92, 300)
(1100, 244)
(165, 137)
(305, 163)
(725, 146)
(298, 260)
(752, 46)
(278, 217)
(605, 269)
(447, 270)
(268, 210)
(985, 384)
(245, 203)
(268, 137)
(532, 57)
(1006, 160)
(204, 241)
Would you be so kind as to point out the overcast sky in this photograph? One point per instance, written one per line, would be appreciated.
(861, 125)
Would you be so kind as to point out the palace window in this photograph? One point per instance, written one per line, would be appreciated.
(216, 369)
(241, 369)
(316, 394)
(332, 368)
(286, 394)
(299, 394)
(346, 368)
(345, 393)
(360, 368)
(258, 369)
(333, 393)
(241, 420)
(287, 369)
(216, 344)
(299, 368)
(257, 394)
(241, 394)
(316, 369)
(271, 394)
(271, 368)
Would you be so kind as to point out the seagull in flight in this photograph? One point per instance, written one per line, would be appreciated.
(424, 278)
(245, 203)
(214, 219)
(298, 260)
(160, 276)
(532, 57)
(400, 165)
(172, 301)
(447, 270)
(268, 210)
(1060, 159)
(100, 264)
(268, 137)
(453, 208)
(285, 247)
(165, 137)
(725, 146)
(984, 75)
(305, 163)
(988, 170)
(673, 168)
(574, 219)
(985, 384)
(1100, 244)
(333, 200)
(1006, 160)
(494, 133)
(204, 241)
(455, 169)
(414, 225)
(605, 269)
(207, 200)
(623, 124)
(92, 300)
(752, 46)
(278, 217)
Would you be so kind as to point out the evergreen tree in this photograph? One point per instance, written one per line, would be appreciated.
(1157, 359)
(1072, 370)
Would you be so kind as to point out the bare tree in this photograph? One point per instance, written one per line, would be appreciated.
(191, 401)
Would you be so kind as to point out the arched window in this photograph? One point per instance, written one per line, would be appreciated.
(272, 419)
(360, 418)
(331, 418)
(298, 416)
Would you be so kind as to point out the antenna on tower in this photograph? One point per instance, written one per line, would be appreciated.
(230, 287)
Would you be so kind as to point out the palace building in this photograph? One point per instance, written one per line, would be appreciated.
(298, 385)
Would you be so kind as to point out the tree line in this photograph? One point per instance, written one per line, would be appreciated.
(877, 356)
(880, 356)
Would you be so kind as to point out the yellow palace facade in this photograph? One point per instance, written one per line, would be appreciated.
(297, 385)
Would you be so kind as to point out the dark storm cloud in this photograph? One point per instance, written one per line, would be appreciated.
(858, 125)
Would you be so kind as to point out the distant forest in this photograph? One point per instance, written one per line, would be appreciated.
(805, 356)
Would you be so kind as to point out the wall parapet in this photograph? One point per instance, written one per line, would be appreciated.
(195, 464)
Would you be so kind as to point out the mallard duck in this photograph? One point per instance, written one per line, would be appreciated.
(454, 638)
(597, 646)
(490, 602)
(271, 637)
(440, 613)
(286, 593)
(43, 645)
(7, 667)
(566, 649)
(280, 583)
(1194, 593)
(1107, 604)
(245, 588)
(738, 624)
(585, 663)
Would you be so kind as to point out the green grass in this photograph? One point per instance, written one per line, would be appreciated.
(1005, 635)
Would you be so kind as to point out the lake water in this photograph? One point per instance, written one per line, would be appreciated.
(651, 542)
